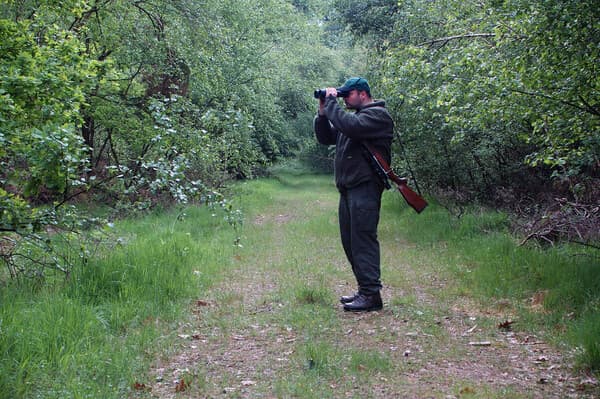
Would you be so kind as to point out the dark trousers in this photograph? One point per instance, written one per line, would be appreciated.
(359, 216)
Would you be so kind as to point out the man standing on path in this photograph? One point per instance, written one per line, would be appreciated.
(357, 181)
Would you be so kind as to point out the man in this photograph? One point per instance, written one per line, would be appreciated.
(357, 181)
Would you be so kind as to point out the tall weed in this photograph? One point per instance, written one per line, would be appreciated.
(94, 335)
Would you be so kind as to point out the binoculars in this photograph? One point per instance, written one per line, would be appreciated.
(320, 93)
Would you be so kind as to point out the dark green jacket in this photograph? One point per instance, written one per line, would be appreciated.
(346, 130)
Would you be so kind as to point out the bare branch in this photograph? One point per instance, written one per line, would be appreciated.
(591, 109)
(569, 103)
(445, 40)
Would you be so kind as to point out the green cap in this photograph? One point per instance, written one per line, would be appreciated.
(359, 84)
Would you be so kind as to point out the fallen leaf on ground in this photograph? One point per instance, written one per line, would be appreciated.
(506, 325)
(138, 386)
(181, 386)
(467, 391)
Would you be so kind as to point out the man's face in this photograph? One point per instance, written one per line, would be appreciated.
(354, 100)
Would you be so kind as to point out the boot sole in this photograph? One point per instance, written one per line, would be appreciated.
(358, 310)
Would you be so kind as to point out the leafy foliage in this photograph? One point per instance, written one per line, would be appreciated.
(491, 98)
(137, 104)
(41, 98)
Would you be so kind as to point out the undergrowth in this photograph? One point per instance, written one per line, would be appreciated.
(555, 288)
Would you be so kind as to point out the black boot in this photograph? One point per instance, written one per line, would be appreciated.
(365, 303)
(348, 298)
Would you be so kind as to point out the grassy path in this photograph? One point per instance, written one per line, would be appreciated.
(273, 327)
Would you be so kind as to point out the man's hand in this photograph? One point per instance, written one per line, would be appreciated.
(329, 91)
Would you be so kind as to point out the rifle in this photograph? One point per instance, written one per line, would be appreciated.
(413, 199)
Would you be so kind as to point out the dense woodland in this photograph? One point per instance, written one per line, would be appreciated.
(133, 104)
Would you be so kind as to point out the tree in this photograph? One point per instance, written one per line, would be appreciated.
(43, 79)
(494, 97)
(139, 103)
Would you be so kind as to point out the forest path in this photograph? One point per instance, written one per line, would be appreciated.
(274, 329)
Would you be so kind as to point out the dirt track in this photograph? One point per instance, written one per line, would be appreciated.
(240, 342)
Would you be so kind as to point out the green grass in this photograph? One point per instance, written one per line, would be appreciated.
(490, 265)
(97, 334)
(583, 335)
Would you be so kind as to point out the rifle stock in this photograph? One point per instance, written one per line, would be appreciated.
(413, 199)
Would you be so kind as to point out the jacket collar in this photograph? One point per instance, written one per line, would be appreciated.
(375, 103)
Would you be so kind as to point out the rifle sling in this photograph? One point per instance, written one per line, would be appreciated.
(382, 163)
(417, 202)
(377, 167)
